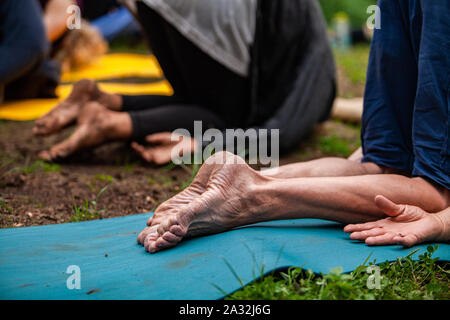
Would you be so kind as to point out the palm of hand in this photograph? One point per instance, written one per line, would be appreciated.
(407, 225)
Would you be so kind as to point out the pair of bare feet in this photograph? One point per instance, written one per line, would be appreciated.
(98, 118)
(227, 193)
(96, 122)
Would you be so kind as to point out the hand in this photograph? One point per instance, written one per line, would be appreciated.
(406, 225)
(162, 145)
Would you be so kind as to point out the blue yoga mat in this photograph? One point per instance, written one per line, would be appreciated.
(34, 260)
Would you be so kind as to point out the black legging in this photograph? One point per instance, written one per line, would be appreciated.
(204, 90)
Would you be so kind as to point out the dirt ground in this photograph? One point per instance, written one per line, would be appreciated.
(111, 180)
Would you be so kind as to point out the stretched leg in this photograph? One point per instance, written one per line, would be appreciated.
(227, 194)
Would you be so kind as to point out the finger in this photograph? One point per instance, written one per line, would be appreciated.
(363, 235)
(385, 239)
(361, 227)
(159, 138)
(388, 207)
(407, 240)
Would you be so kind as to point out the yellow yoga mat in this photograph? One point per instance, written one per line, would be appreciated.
(26, 110)
(117, 65)
(111, 66)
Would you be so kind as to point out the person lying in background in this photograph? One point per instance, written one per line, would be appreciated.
(404, 157)
(241, 64)
(25, 70)
(75, 48)
(35, 45)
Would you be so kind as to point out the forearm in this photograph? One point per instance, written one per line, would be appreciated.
(342, 199)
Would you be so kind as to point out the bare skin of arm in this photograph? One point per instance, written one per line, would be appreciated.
(406, 225)
(55, 18)
(227, 193)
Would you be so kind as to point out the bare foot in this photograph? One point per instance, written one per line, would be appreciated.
(66, 112)
(218, 200)
(162, 148)
(96, 124)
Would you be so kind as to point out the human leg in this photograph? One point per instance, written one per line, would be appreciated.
(227, 194)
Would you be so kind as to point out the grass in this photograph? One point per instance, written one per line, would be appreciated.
(335, 146)
(4, 206)
(354, 62)
(88, 210)
(356, 10)
(405, 278)
(41, 165)
(103, 178)
(194, 170)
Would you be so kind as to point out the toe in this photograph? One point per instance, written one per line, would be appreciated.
(170, 237)
(166, 225)
(178, 230)
(150, 243)
(145, 233)
(45, 155)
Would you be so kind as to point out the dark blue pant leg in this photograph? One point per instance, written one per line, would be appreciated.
(390, 89)
(431, 113)
(23, 42)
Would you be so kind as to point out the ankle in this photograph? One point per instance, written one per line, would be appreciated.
(261, 204)
(111, 101)
(116, 125)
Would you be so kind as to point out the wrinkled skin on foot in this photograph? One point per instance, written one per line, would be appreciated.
(66, 112)
(217, 200)
(406, 225)
(90, 131)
